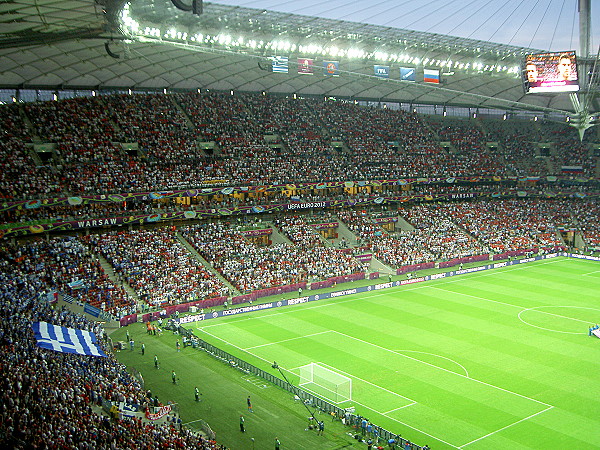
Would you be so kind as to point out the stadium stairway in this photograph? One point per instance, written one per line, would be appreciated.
(206, 264)
(108, 269)
(404, 225)
(378, 266)
(177, 105)
(276, 236)
(113, 123)
(29, 125)
(344, 232)
(108, 325)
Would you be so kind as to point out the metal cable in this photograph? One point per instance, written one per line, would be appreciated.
(572, 28)
(539, 24)
(514, 11)
(556, 26)
(524, 21)
(475, 11)
(434, 26)
(444, 4)
(427, 4)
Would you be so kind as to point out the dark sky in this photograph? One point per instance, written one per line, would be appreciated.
(541, 24)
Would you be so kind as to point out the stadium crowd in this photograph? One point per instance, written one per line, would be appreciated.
(157, 266)
(113, 144)
(249, 266)
(51, 399)
(65, 265)
(510, 225)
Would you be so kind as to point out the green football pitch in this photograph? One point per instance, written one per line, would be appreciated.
(498, 359)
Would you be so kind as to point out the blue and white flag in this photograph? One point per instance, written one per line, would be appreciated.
(66, 340)
(407, 73)
(280, 64)
(77, 284)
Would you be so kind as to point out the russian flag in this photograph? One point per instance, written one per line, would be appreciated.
(431, 76)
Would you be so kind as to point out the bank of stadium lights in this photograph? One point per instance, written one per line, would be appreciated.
(129, 21)
(133, 27)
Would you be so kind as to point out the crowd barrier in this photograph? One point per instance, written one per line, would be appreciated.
(467, 259)
(415, 267)
(333, 281)
(260, 293)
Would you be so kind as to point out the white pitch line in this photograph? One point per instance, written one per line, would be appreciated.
(507, 426)
(479, 298)
(405, 288)
(437, 356)
(193, 421)
(238, 347)
(445, 370)
(516, 306)
(556, 315)
(407, 425)
(363, 380)
(396, 409)
(287, 340)
(589, 273)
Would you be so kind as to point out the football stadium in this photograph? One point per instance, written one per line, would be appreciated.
(299, 225)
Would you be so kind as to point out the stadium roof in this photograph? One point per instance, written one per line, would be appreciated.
(151, 44)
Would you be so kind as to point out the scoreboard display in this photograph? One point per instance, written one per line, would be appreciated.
(550, 72)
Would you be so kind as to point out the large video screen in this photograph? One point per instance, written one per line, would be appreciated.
(551, 72)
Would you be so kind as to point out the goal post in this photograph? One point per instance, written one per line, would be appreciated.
(326, 383)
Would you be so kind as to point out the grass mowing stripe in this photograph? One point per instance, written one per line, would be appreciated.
(284, 340)
(446, 370)
(507, 426)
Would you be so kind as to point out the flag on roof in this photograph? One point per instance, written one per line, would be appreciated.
(331, 68)
(66, 340)
(305, 65)
(280, 64)
(407, 73)
(431, 76)
(381, 71)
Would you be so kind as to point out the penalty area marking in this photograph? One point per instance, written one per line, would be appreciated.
(548, 407)
(396, 409)
(435, 354)
(536, 308)
(349, 375)
(445, 370)
(507, 426)
(287, 340)
(386, 414)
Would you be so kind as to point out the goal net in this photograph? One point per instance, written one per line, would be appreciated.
(325, 383)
